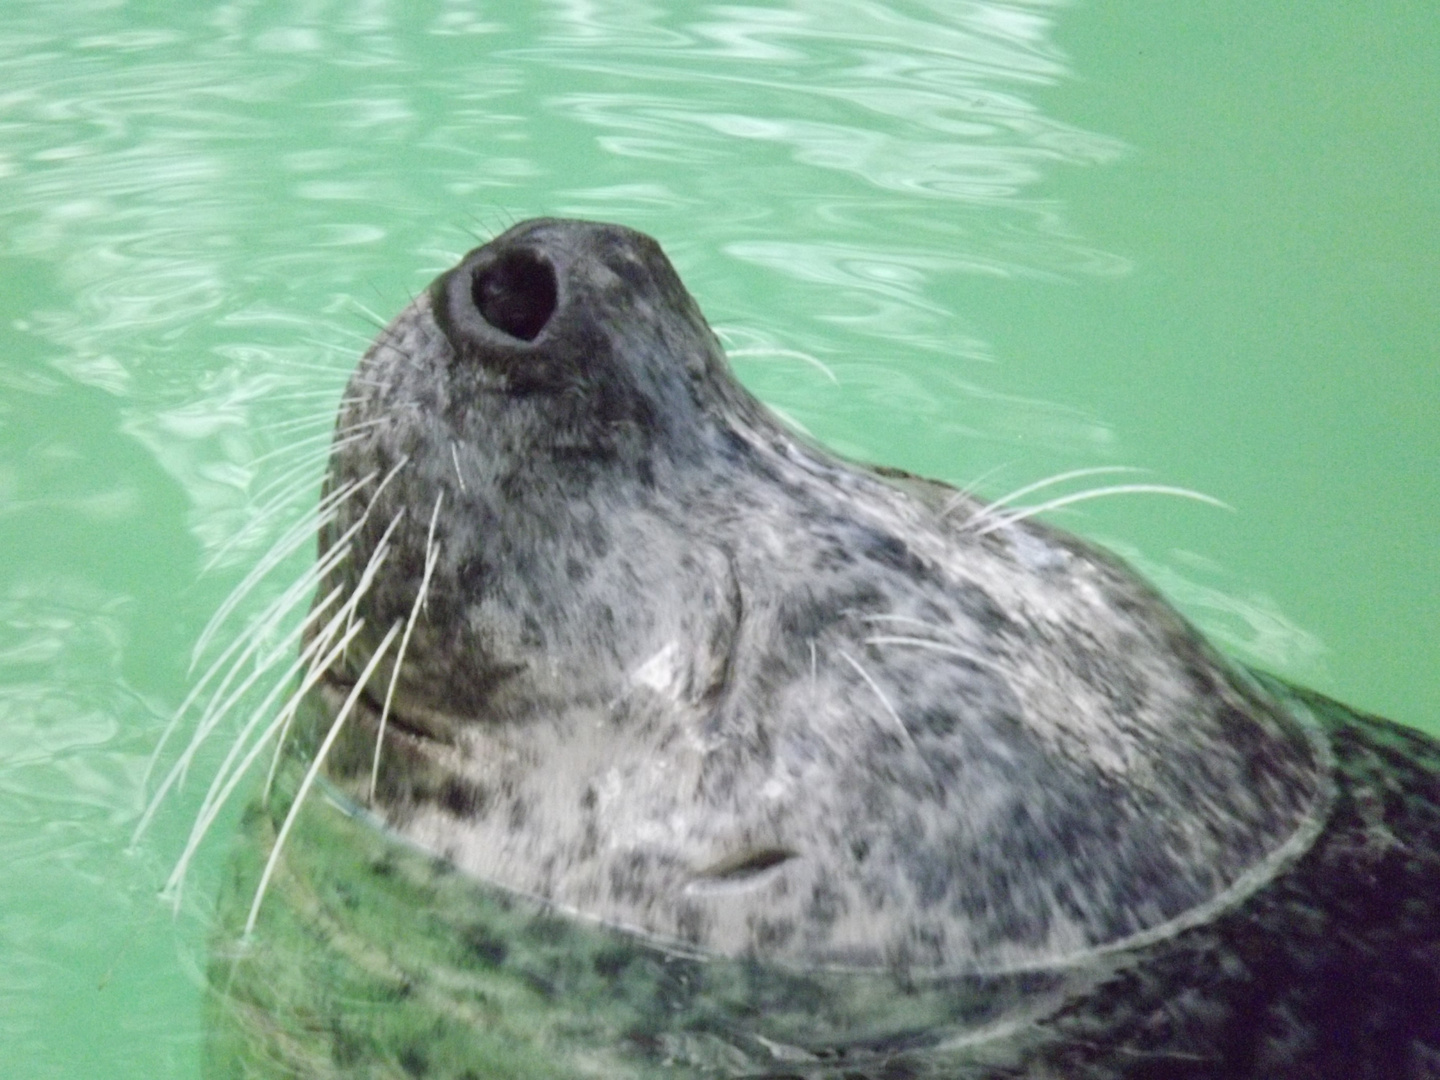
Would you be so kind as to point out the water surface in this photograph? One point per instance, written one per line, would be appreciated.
(987, 242)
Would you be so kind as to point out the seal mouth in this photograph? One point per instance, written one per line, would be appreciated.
(405, 718)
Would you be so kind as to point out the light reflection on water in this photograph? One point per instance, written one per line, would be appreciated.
(202, 209)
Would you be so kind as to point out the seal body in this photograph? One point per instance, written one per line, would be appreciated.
(800, 767)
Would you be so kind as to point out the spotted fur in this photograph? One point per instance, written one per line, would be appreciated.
(673, 673)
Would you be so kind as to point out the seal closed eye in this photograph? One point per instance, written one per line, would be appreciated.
(668, 668)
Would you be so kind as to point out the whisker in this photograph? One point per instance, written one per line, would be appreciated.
(1120, 489)
(294, 480)
(790, 354)
(210, 672)
(382, 548)
(354, 426)
(341, 368)
(990, 508)
(317, 644)
(336, 553)
(967, 491)
(287, 545)
(298, 480)
(432, 556)
(455, 457)
(938, 646)
(309, 440)
(310, 460)
(380, 321)
(364, 339)
(362, 586)
(938, 628)
(310, 775)
(174, 885)
(283, 548)
(899, 724)
(212, 715)
(321, 393)
(299, 423)
(323, 442)
(228, 776)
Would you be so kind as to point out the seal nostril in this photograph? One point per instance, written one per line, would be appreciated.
(516, 293)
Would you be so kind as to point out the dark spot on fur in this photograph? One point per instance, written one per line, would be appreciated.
(773, 933)
(890, 551)
(628, 877)
(610, 963)
(519, 813)
(826, 904)
(414, 1061)
(482, 943)
(463, 798)
(547, 929)
(691, 922)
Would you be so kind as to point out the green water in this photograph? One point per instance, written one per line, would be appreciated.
(1007, 241)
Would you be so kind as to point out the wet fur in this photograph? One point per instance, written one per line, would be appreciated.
(757, 762)
(682, 671)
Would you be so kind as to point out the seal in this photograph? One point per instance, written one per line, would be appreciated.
(669, 743)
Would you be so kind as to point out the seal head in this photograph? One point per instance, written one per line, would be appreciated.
(673, 668)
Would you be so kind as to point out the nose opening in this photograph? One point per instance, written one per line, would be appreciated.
(516, 293)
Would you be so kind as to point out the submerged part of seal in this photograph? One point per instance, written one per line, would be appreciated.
(681, 671)
(697, 752)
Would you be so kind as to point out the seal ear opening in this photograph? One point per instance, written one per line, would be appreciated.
(516, 293)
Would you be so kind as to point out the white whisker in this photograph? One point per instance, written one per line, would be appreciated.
(1097, 493)
(990, 509)
(383, 323)
(289, 543)
(297, 591)
(937, 627)
(320, 437)
(300, 533)
(296, 481)
(899, 724)
(340, 370)
(310, 775)
(212, 715)
(318, 643)
(218, 796)
(967, 491)
(311, 393)
(362, 586)
(432, 556)
(300, 423)
(455, 457)
(382, 548)
(792, 354)
(367, 340)
(307, 464)
(938, 646)
(254, 632)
